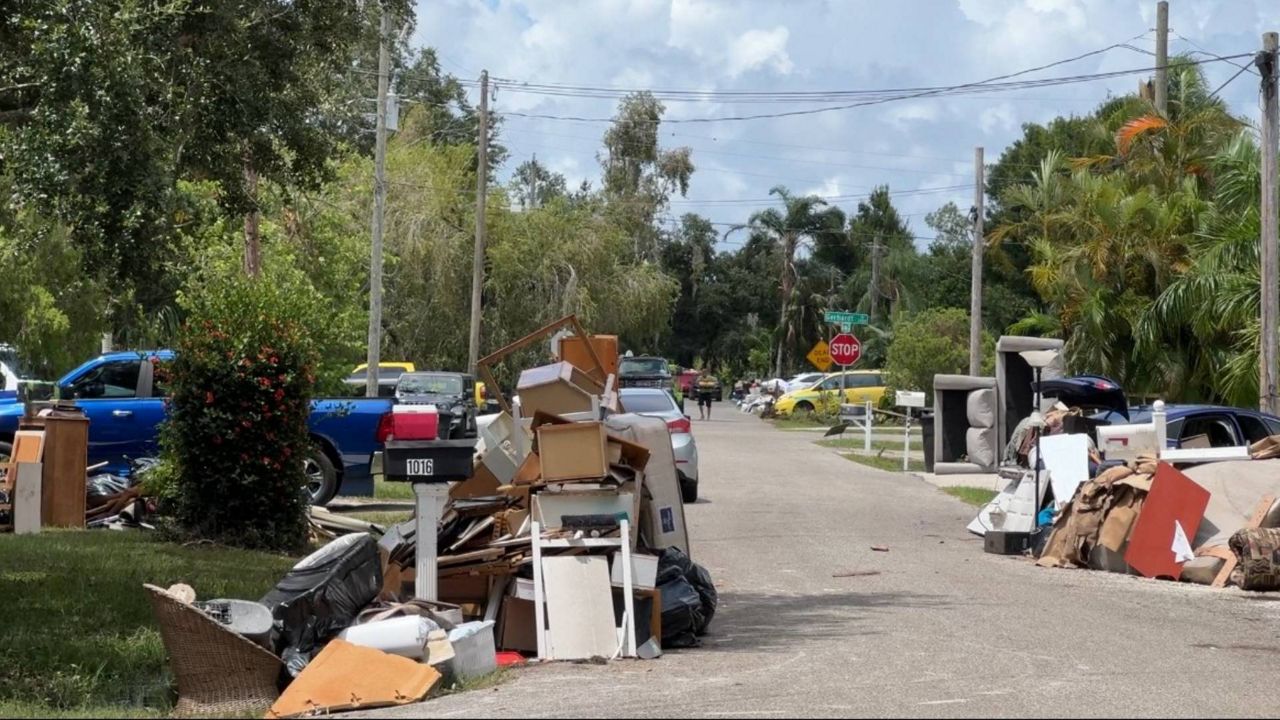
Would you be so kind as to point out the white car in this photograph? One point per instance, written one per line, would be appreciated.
(804, 381)
(654, 402)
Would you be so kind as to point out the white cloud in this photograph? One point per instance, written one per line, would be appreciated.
(816, 45)
(755, 49)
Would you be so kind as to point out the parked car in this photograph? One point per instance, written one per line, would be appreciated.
(452, 393)
(388, 375)
(660, 404)
(644, 371)
(1221, 426)
(824, 396)
(125, 406)
(804, 380)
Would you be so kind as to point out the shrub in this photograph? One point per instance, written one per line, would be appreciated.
(928, 343)
(241, 389)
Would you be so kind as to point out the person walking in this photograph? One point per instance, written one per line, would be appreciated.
(706, 388)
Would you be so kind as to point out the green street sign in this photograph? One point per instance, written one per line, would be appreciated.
(846, 320)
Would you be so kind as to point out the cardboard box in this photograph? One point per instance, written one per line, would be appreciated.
(517, 626)
(559, 388)
(644, 571)
(573, 350)
(575, 451)
(463, 589)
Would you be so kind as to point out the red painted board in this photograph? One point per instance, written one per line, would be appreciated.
(1173, 496)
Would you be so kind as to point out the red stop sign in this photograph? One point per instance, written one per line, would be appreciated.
(845, 349)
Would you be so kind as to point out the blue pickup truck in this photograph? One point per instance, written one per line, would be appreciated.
(125, 405)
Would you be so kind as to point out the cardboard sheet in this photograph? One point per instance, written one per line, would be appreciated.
(662, 513)
(579, 607)
(348, 677)
(1066, 457)
(1175, 500)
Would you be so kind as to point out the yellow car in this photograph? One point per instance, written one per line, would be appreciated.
(860, 386)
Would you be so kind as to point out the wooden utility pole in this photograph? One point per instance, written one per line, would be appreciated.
(1266, 62)
(482, 189)
(1162, 57)
(379, 210)
(975, 284)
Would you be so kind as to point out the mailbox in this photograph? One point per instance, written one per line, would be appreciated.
(429, 461)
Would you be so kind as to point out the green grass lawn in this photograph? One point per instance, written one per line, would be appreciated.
(384, 518)
(976, 496)
(383, 490)
(885, 463)
(851, 444)
(79, 638)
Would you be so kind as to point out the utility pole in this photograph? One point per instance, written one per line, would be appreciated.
(1162, 57)
(379, 210)
(482, 187)
(975, 284)
(1266, 62)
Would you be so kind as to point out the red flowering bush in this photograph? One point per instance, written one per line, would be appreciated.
(241, 395)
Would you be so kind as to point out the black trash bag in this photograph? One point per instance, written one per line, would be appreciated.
(700, 579)
(681, 614)
(673, 563)
(321, 596)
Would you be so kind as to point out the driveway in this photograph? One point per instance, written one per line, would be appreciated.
(939, 630)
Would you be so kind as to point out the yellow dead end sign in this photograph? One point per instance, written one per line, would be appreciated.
(820, 356)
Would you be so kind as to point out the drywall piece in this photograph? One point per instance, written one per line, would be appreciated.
(349, 677)
(579, 607)
(1066, 457)
(1175, 500)
(26, 498)
(1235, 490)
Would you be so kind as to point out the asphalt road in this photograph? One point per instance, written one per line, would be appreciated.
(943, 630)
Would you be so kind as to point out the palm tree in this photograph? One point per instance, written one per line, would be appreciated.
(800, 218)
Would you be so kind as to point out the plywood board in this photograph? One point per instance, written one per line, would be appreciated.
(1174, 498)
(579, 607)
(26, 498)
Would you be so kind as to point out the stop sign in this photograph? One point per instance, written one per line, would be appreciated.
(845, 349)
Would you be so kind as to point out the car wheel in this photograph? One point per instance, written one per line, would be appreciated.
(803, 407)
(688, 490)
(6, 451)
(322, 477)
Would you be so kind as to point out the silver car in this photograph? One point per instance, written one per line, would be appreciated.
(653, 402)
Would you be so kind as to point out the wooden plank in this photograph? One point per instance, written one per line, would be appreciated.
(482, 555)
(26, 498)
(65, 458)
(579, 607)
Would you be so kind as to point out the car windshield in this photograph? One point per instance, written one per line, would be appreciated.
(648, 402)
(430, 384)
(642, 366)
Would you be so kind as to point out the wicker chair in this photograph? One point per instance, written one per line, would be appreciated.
(219, 672)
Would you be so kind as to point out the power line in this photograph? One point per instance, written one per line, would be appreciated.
(1205, 51)
(1228, 82)
(941, 91)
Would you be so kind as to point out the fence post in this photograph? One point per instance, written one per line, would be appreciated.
(866, 427)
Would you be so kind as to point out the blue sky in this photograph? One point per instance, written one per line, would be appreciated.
(915, 146)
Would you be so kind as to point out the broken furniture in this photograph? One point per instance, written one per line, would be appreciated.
(219, 672)
(66, 455)
(965, 415)
(573, 349)
(573, 600)
(1015, 380)
(559, 389)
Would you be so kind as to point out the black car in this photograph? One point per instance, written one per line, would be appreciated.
(647, 372)
(453, 394)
